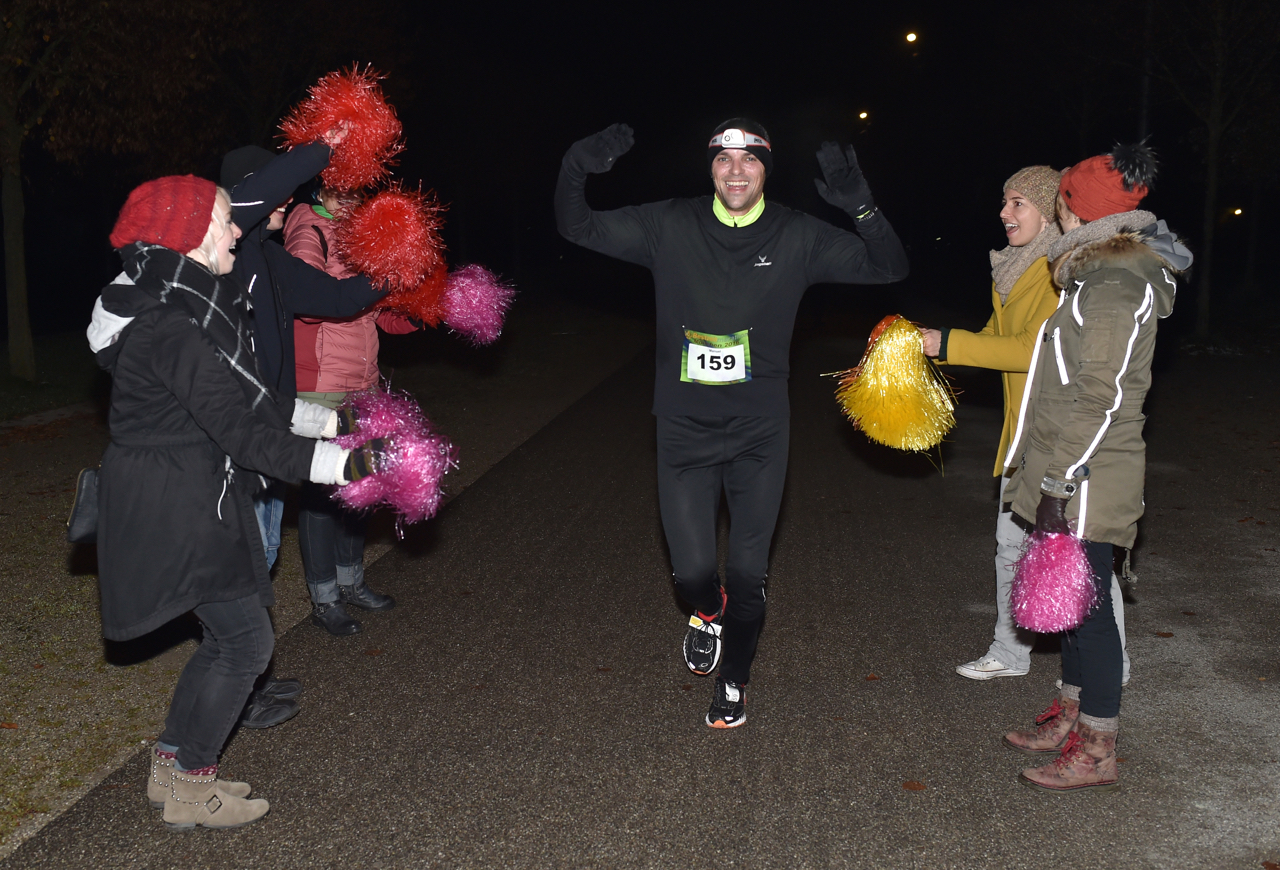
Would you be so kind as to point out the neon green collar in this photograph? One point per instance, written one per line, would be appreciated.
(322, 211)
(722, 214)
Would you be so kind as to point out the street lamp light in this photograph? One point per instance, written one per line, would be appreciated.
(863, 116)
(911, 37)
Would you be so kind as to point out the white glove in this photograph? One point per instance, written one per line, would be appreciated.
(328, 463)
(313, 421)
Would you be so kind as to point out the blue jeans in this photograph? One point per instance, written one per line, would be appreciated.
(332, 543)
(268, 506)
(216, 682)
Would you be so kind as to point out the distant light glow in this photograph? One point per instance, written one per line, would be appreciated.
(863, 116)
(911, 37)
(1239, 211)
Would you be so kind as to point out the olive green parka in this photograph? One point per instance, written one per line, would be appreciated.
(1082, 418)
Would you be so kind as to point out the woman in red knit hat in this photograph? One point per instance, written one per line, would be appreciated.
(193, 429)
(1077, 455)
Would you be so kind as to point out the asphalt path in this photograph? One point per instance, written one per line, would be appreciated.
(526, 704)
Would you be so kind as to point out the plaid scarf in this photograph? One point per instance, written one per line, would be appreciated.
(218, 304)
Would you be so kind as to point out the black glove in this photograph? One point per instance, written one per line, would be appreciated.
(365, 459)
(347, 419)
(845, 188)
(1051, 515)
(597, 153)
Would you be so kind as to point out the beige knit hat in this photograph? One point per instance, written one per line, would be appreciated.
(1038, 184)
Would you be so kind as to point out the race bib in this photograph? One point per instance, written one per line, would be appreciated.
(716, 359)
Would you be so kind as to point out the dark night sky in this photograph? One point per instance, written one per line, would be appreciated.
(494, 95)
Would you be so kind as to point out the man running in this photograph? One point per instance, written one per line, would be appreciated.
(728, 274)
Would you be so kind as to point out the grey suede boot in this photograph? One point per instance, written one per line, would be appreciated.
(158, 784)
(197, 799)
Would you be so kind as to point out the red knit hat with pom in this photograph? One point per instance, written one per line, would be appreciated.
(173, 212)
(1094, 188)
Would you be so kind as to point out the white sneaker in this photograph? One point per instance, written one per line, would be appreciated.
(988, 668)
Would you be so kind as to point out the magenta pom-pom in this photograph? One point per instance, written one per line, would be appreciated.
(394, 238)
(1053, 587)
(475, 303)
(352, 98)
(409, 474)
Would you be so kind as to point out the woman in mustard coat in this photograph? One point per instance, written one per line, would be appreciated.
(1022, 296)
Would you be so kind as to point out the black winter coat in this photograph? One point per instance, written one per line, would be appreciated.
(280, 284)
(176, 522)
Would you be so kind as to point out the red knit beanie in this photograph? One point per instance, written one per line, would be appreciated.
(174, 211)
(1094, 189)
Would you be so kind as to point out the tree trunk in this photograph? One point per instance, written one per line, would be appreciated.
(1204, 257)
(1213, 152)
(22, 355)
(1252, 290)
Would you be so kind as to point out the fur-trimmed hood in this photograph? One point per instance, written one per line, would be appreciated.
(1151, 252)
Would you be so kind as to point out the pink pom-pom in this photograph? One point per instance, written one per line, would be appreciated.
(408, 479)
(352, 97)
(394, 238)
(1053, 587)
(475, 303)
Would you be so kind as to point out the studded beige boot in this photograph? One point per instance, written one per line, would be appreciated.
(197, 799)
(158, 786)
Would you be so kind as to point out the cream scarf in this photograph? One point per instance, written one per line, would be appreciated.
(1008, 264)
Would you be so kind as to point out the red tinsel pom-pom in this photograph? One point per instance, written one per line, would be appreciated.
(352, 96)
(394, 238)
(426, 302)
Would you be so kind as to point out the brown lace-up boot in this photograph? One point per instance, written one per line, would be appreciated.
(158, 785)
(1088, 760)
(197, 798)
(1050, 733)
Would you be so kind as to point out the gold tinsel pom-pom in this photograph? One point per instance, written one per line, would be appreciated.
(896, 395)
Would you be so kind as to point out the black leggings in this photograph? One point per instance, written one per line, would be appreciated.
(745, 458)
(1092, 656)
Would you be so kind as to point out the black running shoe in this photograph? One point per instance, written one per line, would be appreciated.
(702, 641)
(728, 705)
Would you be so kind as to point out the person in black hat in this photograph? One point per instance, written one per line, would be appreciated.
(281, 286)
(729, 271)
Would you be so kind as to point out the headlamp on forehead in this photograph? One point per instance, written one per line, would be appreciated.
(735, 138)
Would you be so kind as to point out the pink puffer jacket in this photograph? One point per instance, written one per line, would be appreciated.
(333, 355)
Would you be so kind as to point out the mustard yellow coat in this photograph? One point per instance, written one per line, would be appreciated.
(1007, 340)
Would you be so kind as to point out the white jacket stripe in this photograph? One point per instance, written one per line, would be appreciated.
(1057, 353)
(1026, 394)
(1084, 509)
(1148, 302)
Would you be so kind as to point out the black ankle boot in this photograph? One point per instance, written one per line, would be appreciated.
(360, 595)
(333, 618)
